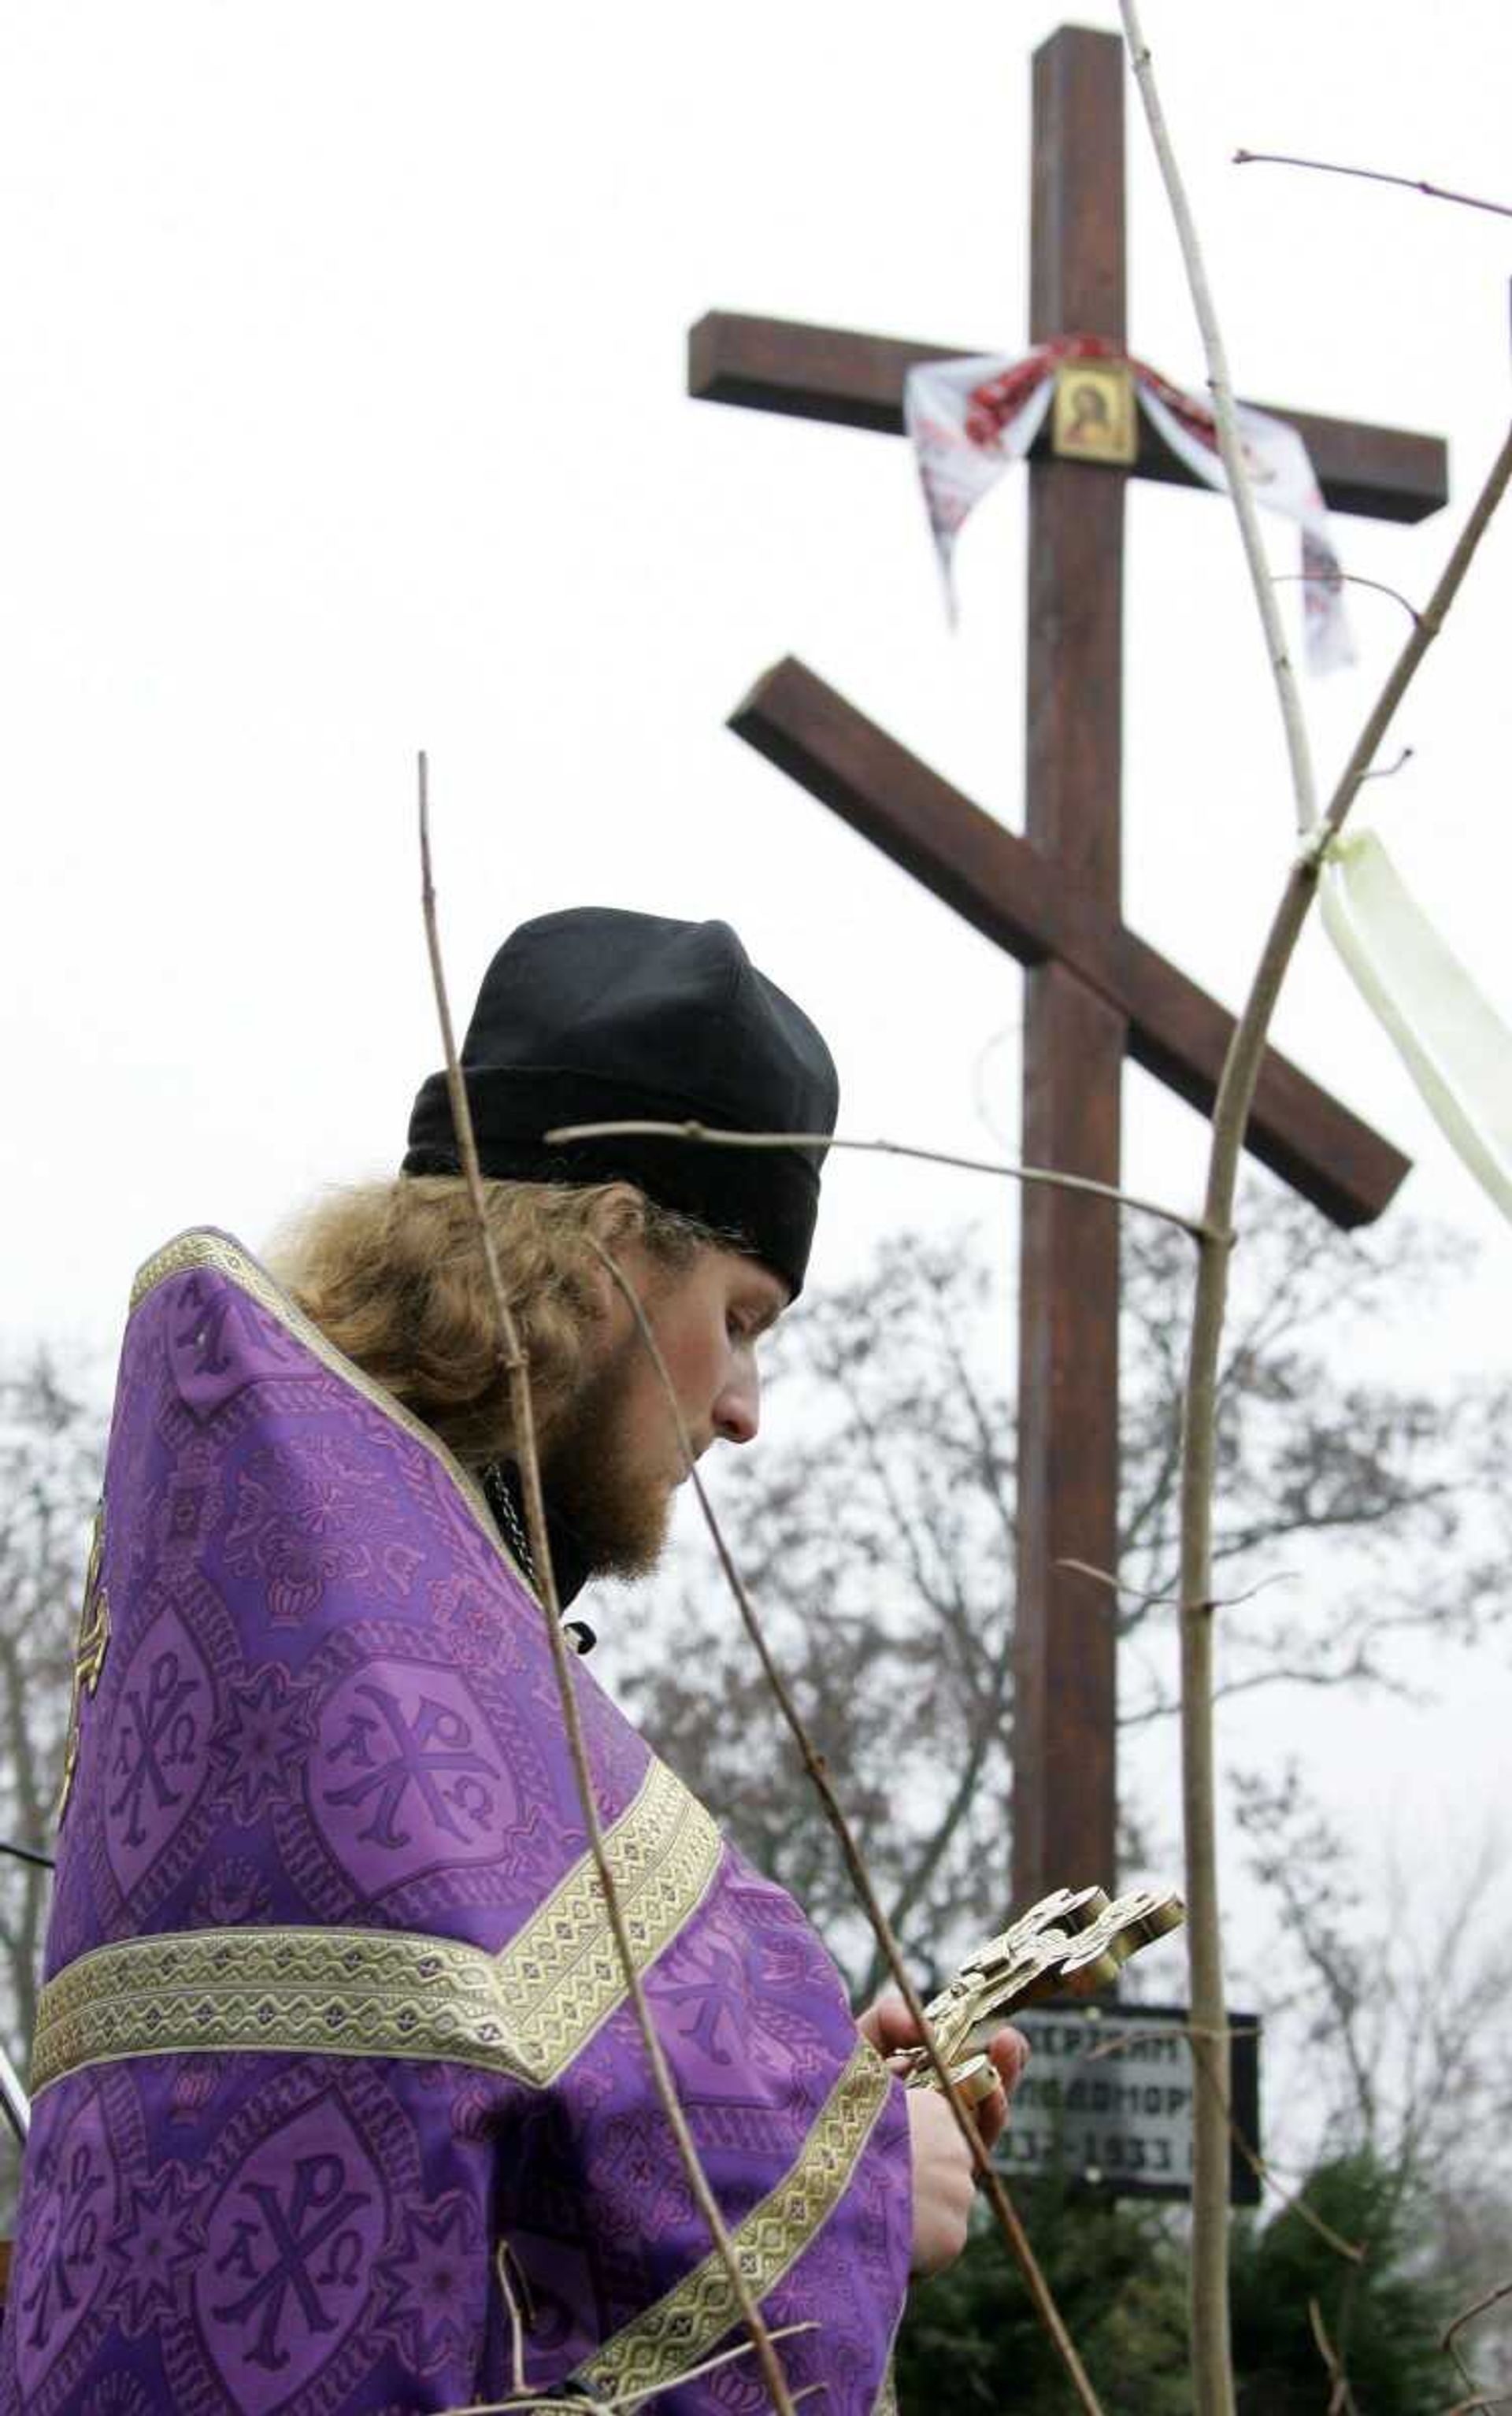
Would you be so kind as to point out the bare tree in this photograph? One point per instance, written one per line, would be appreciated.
(52, 1444)
(1390, 1997)
(1386, 1502)
(1397, 1993)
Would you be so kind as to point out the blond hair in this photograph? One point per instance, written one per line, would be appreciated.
(393, 1275)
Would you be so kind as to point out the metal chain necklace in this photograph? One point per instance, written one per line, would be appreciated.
(499, 1494)
(501, 1501)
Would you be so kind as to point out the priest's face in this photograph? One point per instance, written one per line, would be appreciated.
(615, 1461)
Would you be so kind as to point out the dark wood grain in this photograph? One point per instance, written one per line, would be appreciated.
(1065, 1704)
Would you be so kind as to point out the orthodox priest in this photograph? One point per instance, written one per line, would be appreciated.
(339, 2107)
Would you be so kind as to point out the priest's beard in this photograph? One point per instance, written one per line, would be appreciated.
(608, 1481)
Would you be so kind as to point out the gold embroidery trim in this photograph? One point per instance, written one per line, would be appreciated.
(651, 2352)
(203, 1248)
(561, 1975)
(524, 2012)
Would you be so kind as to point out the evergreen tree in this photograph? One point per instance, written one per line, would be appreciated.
(1382, 2318)
(972, 2344)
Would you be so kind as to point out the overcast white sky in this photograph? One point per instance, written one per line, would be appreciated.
(343, 414)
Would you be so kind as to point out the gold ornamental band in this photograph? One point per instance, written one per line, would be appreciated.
(653, 2350)
(523, 2013)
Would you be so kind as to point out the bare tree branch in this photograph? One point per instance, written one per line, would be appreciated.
(1451, 2348)
(712, 1137)
(1468, 2315)
(1241, 491)
(1369, 176)
(1347, 579)
(1340, 2397)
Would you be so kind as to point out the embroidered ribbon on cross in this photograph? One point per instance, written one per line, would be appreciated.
(971, 419)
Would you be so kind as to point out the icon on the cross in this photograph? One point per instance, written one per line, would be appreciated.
(1093, 417)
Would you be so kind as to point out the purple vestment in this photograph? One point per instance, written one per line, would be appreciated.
(333, 2014)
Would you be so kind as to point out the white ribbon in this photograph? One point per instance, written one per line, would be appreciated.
(959, 454)
(1453, 1043)
(1282, 479)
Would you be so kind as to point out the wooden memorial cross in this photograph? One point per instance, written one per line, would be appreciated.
(1052, 899)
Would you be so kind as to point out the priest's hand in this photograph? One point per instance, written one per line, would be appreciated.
(944, 2182)
(944, 2174)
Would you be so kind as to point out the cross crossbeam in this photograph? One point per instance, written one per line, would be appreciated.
(1007, 890)
(808, 372)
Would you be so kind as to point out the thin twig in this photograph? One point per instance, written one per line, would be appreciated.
(715, 1137)
(813, 1761)
(1121, 2039)
(1340, 2397)
(516, 1373)
(1342, 578)
(1369, 176)
(1351, 2249)
(1230, 444)
(1405, 667)
(518, 2318)
(1451, 2348)
(1468, 2315)
(28, 1854)
(1137, 1593)
(1388, 771)
(519, 2401)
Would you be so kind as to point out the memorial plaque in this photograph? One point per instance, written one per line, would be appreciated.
(1107, 2101)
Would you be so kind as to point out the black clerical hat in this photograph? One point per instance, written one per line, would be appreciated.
(596, 1014)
